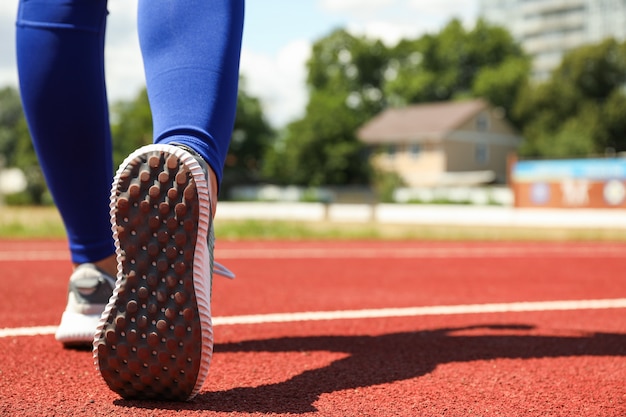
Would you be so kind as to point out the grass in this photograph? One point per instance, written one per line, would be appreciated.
(30, 222)
(254, 229)
(45, 222)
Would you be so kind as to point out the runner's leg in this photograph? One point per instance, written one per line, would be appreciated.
(60, 55)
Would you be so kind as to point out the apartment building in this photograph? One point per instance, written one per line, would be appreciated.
(547, 29)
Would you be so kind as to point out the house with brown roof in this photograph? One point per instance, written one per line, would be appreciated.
(445, 143)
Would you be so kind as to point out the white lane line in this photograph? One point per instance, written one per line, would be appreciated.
(470, 251)
(380, 313)
(34, 255)
(424, 311)
(422, 252)
(27, 331)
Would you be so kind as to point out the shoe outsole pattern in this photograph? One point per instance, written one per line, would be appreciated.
(155, 339)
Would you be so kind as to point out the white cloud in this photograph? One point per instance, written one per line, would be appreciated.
(392, 20)
(355, 6)
(278, 81)
(388, 32)
(8, 76)
(417, 11)
(444, 10)
(124, 66)
(8, 73)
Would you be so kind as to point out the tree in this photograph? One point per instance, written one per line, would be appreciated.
(456, 63)
(355, 66)
(501, 84)
(131, 126)
(614, 121)
(12, 123)
(345, 80)
(595, 70)
(251, 140)
(16, 149)
(321, 148)
(581, 109)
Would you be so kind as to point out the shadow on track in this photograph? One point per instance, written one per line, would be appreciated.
(383, 359)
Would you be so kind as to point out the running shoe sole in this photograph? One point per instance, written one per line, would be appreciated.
(155, 338)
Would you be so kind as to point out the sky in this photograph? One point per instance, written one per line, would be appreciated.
(277, 40)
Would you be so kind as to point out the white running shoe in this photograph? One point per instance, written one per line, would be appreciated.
(89, 291)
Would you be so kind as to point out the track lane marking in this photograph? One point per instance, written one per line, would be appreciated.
(425, 252)
(35, 255)
(28, 331)
(364, 252)
(462, 309)
(424, 311)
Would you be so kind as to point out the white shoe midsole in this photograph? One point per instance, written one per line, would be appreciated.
(77, 328)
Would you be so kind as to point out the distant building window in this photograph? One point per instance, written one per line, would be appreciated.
(482, 122)
(414, 150)
(481, 153)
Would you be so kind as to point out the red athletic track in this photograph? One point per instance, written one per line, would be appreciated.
(541, 363)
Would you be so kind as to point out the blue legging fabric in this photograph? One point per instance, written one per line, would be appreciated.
(191, 51)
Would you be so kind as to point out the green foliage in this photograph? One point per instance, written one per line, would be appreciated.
(251, 140)
(595, 70)
(270, 230)
(614, 122)
(16, 150)
(345, 81)
(454, 63)
(501, 84)
(131, 126)
(355, 66)
(385, 183)
(11, 117)
(321, 148)
(581, 110)
(251, 137)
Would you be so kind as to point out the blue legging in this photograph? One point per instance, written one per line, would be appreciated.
(191, 52)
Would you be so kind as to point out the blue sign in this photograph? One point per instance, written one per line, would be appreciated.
(555, 170)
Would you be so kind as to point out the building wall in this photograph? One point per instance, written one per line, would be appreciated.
(490, 120)
(547, 29)
(421, 168)
(478, 154)
(462, 152)
(483, 143)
